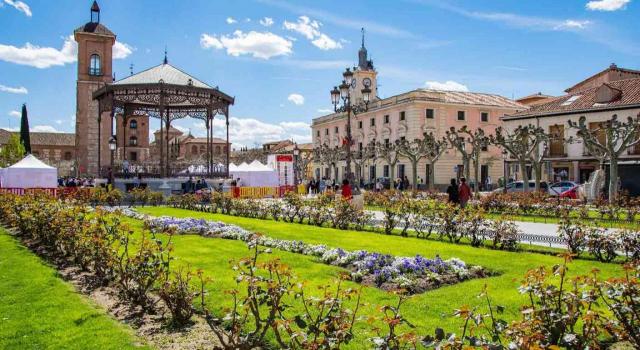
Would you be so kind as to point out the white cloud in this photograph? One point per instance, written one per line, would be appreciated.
(572, 24)
(20, 6)
(607, 5)
(59, 121)
(324, 42)
(14, 90)
(121, 50)
(15, 114)
(310, 29)
(43, 128)
(231, 20)
(325, 111)
(267, 21)
(448, 85)
(257, 44)
(296, 99)
(250, 131)
(45, 57)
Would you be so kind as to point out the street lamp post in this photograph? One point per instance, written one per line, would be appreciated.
(343, 93)
(112, 148)
(296, 153)
(505, 155)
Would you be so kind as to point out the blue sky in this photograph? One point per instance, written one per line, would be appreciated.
(280, 58)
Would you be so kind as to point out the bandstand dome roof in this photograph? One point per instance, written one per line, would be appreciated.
(165, 72)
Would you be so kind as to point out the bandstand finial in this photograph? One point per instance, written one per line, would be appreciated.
(166, 61)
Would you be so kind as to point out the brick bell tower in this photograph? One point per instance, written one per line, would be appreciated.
(95, 46)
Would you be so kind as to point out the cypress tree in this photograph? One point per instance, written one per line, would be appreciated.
(24, 130)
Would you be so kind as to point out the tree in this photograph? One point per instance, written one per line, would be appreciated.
(24, 130)
(11, 152)
(414, 151)
(520, 143)
(330, 156)
(434, 149)
(304, 159)
(389, 152)
(608, 141)
(361, 157)
(477, 141)
(540, 152)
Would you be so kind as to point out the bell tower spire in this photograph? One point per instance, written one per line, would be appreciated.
(362, 37)
(95, 12)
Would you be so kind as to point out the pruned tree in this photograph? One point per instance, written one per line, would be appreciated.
(469, 144)
(12, 151)
(520, 144)
(609, 141)
(361, 157)
(304, 159)
(388, 151)
(434, 147)
(330, 156)
(414, 151)
(537, 157)
(24, 130)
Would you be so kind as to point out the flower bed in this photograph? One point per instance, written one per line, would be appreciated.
(415, 274)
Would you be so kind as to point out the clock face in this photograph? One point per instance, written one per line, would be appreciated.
(353, 82)
(367, 82)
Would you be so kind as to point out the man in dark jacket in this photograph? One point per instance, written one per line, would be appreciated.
(452, 191)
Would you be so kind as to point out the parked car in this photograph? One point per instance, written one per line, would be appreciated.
(558, 188)
(572, 193)
(518, 186)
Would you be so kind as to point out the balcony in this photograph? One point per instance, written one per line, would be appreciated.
(95, 71)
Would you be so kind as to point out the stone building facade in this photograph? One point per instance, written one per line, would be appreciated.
(597, 98)
(409, 115)
(54, 148)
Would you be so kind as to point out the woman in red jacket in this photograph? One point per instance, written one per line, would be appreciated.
(346, 190)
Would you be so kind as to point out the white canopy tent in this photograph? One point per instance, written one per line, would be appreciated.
(30, 172)
(255, 174)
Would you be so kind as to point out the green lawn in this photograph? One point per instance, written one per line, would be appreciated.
(40, 311)
(426, 311)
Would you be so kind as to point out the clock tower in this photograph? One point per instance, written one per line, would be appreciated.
(364, 75)
(95, 49)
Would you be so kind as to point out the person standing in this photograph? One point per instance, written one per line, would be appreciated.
(405, 183)
(346, 190)
(322, 185)
(464, 192)
(452, 191)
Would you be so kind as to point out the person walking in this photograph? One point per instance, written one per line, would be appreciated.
(322, 185)
(452, 191)
(405, 183)
(464, 192)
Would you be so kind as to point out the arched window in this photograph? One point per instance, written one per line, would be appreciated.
(133, 124)
(95, 68)
(133, 141)
(194, 149)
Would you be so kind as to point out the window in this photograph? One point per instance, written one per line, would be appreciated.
(402, 138)
(326, 131)
(484, 116)
(359, 124)
(484, 148)
(94, 65)
(360, 146)
(133, 124)
(133, 141)
(194, 149)
(460, 115)
(386, 142)
(373, 122)
(336, 130)
(217, 149)
(402, 115)
(318, 133)
(430, 113)
(385, 171)
(386, 119)
(68, 155)
(401, 172)
(133, 156)
(372, 173)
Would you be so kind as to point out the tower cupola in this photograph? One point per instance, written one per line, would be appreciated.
(95, 12)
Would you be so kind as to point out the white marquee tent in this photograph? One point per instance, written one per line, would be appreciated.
(255, 174)
(30, 172)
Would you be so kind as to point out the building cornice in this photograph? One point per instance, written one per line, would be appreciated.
(570, 112)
